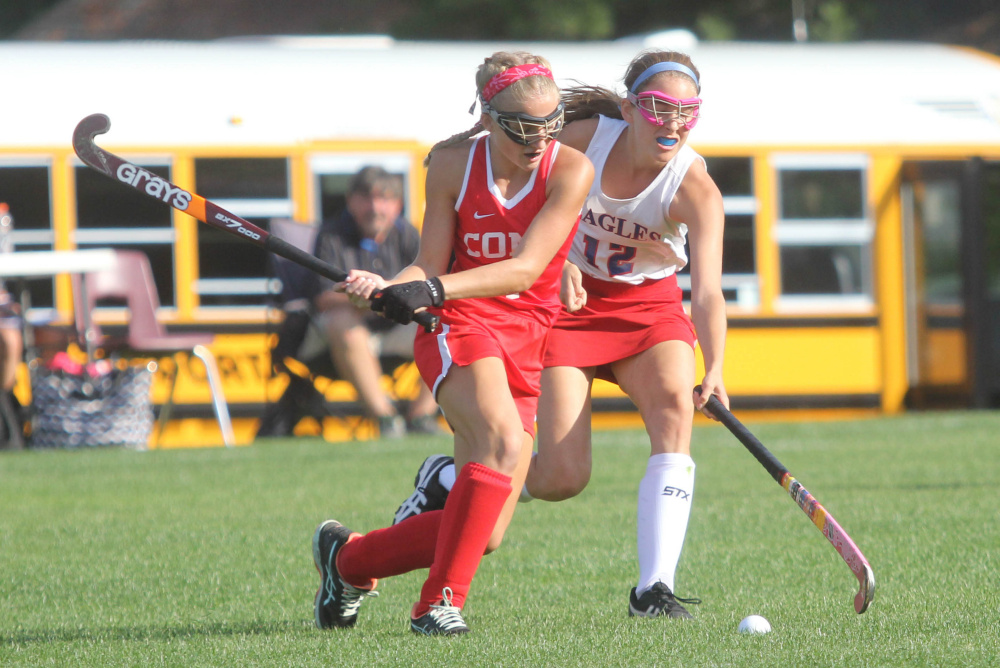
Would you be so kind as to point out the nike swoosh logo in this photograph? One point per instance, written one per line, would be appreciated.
(479, 216)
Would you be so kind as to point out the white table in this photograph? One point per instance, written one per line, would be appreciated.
(42, 264)
(35, 264)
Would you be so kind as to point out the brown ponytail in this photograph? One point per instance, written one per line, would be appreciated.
(454, 139)
(584, 102)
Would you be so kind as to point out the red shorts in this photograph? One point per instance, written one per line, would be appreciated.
(619, 320)
(469, 333)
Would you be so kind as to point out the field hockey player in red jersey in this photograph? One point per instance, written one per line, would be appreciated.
(651, 199)
(504, 204)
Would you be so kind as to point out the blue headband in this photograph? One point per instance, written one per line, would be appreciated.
(667, 66)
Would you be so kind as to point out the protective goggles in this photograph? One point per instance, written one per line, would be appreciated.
(660, 109)
(526, 129)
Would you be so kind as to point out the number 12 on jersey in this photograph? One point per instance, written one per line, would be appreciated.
(620, 259)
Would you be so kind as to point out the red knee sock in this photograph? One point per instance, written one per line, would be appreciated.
(401, 548)
(469, 517)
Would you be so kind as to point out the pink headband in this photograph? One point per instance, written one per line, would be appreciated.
(512, 74)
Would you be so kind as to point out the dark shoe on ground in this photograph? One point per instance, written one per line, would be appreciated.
(424, 425)
(11, 428)
(659, 601)
(300, 399)
(443, 619)
(337, 602)
(391, 426)
(428, 492)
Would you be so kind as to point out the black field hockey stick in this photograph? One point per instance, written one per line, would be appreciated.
(807, 502)
(195, 205)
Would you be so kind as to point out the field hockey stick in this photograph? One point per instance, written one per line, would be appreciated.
(807, 502)
(195, 205)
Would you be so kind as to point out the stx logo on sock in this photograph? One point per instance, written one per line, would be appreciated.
(677, 492)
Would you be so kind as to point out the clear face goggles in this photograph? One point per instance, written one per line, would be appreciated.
(526, 129)
(660, 109)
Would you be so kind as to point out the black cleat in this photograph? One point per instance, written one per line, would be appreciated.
(337, 602)
(659, 601)
(428, 493)
(443, 619)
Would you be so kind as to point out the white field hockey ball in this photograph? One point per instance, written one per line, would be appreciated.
(754, 624)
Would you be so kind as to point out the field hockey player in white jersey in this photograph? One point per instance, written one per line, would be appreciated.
(625, 320)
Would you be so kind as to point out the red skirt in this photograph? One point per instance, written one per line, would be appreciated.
(619, 320)
(470, 334)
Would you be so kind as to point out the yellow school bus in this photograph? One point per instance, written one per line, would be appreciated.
(860, 183)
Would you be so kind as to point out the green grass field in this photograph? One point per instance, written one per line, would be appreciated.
(203, 557)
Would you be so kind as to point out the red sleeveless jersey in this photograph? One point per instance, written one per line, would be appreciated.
(490, 227)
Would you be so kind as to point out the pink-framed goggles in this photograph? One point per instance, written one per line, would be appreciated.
(659, 108)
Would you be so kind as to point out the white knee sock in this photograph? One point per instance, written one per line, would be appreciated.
(665, 495)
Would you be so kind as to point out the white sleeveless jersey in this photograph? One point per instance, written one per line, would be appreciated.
(630, 240)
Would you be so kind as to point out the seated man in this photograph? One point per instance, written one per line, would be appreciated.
(371, 234)
(11, 350)
(11, 347)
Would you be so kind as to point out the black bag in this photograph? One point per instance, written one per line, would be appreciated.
(71, 410)
(11, 425)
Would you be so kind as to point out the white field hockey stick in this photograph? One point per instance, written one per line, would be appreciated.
(195, 205)
(807, 502)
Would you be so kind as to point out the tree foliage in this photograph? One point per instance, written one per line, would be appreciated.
(15, 13)
(971, 22)
(749, 20)
(508, 20)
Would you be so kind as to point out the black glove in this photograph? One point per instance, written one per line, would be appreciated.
(398, 302)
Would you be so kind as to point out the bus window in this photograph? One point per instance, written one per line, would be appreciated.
(109, 215)
(823, 230)
(334, 171)
(232, 272)
(25, 189)
(940, 207)
(821, 270)
(734, 177)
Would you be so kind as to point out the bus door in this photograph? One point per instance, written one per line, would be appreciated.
(937, 350)
(951, 223)
(982, 253)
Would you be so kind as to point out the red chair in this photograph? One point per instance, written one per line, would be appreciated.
(131, 280)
